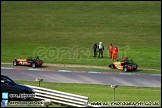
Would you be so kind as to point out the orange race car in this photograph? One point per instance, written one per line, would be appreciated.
(30, 61)
(124, 65)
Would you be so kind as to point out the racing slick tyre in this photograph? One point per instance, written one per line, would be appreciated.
(15, 63)
(125, 69)
(112, 66)
(136, 67)
(33, 65)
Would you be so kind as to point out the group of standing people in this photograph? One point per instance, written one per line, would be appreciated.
(100, 48)
(113, 50)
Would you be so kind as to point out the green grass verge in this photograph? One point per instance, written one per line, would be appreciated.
(64, 32)
(104, 93)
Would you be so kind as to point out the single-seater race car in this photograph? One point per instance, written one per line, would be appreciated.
(30, 61)
(124, 65)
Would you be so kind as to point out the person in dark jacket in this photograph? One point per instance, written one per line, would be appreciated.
(95, 50)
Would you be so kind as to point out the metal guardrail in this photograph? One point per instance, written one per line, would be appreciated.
(60, 97)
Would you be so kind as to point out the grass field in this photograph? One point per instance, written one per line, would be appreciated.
(64, 32)
(104, 93)
(101, 93)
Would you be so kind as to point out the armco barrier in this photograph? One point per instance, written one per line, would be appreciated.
(61, 97)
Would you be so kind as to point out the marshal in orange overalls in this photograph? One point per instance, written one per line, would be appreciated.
(114, 52)
(110, 48)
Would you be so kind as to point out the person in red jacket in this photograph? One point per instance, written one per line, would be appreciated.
(110, 48)
(114, 52)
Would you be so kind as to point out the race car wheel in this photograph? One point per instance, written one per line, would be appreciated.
(14, 63)
(135, 68)
(112, 66)
(33, 65)
(125, 69)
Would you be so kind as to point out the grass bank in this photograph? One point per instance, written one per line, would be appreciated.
(64, 32)
(104, 93)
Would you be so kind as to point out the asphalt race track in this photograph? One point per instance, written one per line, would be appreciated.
(83, 77)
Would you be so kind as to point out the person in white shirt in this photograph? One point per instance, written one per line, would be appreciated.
(101, 49)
